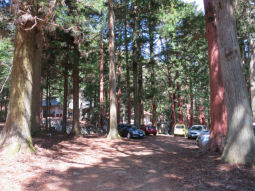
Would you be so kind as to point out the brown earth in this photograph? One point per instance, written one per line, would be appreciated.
(93, 163)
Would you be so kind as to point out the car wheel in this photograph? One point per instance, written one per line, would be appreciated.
(154, 134)
(128, 135)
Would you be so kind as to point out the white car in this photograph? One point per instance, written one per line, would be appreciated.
(196, 130)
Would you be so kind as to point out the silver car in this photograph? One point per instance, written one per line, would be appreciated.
(196, 130)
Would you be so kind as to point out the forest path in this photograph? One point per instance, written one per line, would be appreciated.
(92, 163)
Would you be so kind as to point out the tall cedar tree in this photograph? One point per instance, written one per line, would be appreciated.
(135, 68)
(24, 108)
(102, 82)
(240, 140)
(218, 110)
(113, 133)
(127, 66)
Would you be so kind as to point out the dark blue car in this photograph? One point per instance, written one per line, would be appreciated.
(130, 131)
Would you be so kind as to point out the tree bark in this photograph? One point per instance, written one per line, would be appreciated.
(218, 110)
(151, 44)
(140, 82)
(36, 89)
(191, 104)
(64, 117)
(113, 133)
(173, 119)
(180, 104)
(201, 113)
(252, 77)
(102, 82)
(187, 103)
(127, 68)
(119, 86)
(76, 110)
(240, 140)
(16, 135)
(135, 69)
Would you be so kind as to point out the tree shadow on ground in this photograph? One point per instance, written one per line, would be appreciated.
(155, 163)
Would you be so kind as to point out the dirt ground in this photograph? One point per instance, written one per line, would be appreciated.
(93, 163)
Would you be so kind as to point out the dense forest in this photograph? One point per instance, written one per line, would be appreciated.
(128, 59)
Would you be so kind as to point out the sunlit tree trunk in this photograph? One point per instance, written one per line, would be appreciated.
(102, 83)
(16, 134)
(113, 133)
(201, 113)
(218, 110)
(240, 140)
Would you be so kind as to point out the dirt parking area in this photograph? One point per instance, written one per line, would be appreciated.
(93, 163)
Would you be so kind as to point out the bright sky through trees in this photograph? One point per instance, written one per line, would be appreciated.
(199, 3)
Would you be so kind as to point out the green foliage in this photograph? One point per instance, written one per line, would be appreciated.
(6, 56)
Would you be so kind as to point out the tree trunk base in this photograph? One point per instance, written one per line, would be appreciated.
(216, 144)
(113, 135)
(12, 143)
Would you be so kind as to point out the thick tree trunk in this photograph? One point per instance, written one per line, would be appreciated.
(119, 86)
(36, 89)
(240, 140)
(252, 76)
(218, 110)
(16, 135)
(64, 117)
(76, 110)
(102, 83)
(127, 69)
(113, 133)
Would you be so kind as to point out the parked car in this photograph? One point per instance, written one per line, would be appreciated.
(203, 139)
(130, 131)
(180, 129)
(150, 130)
(195, 131)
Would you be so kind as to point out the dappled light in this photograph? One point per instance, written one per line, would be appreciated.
(127, 95)
(96, 163)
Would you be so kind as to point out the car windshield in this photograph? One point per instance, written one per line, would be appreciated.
(179, 127)
(151, 127)
(199, 128)
(133, 128)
